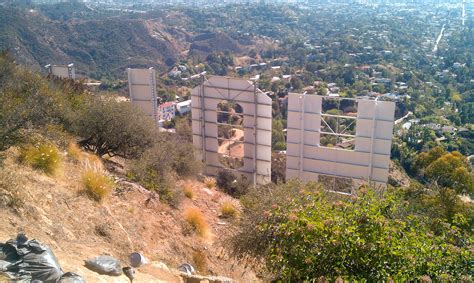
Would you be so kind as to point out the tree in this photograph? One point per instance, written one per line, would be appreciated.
(108, 127)
(447, 170)
(278, 137)
(296, 83)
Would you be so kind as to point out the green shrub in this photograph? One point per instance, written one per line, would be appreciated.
(231, 184)
(446, 169)
(228, 210)
(44, 157)
(96, 185)
(304, 233)
(209, 182)
(278, 167)
(29, 100)
(157, 181)
(161, 165)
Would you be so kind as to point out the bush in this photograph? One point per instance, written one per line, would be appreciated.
(28, 100)
(200, 261)
(97, 186)
(228, 210)
(11, 193)
(74, 152)
(195, 218)
(159, 166)
(278, 173)
(314, 233)
(189, 192)
(44, 157)
(210, 182)
(86, 160)
(109, 127)
(231, 184)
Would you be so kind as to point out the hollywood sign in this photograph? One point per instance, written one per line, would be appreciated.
(340, 142)
(62, 71)
(142, 89)
(232, 127)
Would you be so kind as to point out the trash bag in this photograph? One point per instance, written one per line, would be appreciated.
(71, 277)
(105, 264)
(186, 268)
(129, 272)
(28, 260)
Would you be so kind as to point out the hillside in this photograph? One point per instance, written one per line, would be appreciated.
(104, 45)
(54, 211)
(213, 42)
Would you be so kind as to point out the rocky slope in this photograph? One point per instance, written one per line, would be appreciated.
(56, 212)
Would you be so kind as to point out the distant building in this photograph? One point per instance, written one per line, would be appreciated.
(433, 126)
(175, 73)
(183, 107)
(448, 129)
(166, 111)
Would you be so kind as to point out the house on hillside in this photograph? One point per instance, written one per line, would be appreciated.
(183, 107)
(166, 111)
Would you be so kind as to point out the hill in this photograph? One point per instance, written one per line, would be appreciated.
(214, 42)
(75, 190)
(104, 45)
(56, 212)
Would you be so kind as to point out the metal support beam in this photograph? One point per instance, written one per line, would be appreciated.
(255, 126)
(301, 147)
(372, 138)
(154, 97)
(203, 122)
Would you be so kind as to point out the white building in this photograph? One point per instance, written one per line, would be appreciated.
(183, 107)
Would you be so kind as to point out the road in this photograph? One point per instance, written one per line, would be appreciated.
(403, 118)
(439, 39)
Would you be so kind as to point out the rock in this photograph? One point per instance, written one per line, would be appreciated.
(188, 278)
(160, 265)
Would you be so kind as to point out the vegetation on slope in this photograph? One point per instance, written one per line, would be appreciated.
(303, 233)
(55, 108)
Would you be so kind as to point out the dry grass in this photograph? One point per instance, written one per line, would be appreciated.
(210, 182)
(87, 160)
(228, 210)
(200, 261)
(196, 219)
(44, 157)
(97, 185)
(11, 186)
(74, 152)
(189, 192)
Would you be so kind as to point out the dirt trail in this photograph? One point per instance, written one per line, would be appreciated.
(233, 147)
